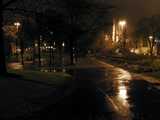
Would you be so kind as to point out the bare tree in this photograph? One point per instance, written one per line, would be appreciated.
(148, 29)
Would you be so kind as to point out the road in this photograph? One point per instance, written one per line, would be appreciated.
(105, 92)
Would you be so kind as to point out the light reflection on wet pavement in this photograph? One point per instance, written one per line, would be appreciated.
(121, 80)
(136, 99)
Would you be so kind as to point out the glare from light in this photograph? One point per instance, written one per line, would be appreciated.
(36, 45)
(132, 51)
(114, 32)
(137, 51)
(150, 37)
(123, 92)
(17, 24)
(106, 37)
(123, 75)
(63, 44)
(18, 50)
(122, 23)
(123, 78)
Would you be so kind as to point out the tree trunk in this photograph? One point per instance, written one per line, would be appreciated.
(22, 51)
(158, 49)
(151, 47)
(71, 52)
(50, 56)
(39, 51)
(2, 52)
(17, 48)
(33, 52)
(76, 51)
(151, 50)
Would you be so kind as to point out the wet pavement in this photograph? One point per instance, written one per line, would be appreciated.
(30, 66)
(131, 98)
(106, 93)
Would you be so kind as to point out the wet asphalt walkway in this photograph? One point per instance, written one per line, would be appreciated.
(120, 95)
(104, 92)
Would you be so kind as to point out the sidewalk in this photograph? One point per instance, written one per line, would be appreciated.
(21, 97)
(135, 76)
(116, 107)
(92, 70)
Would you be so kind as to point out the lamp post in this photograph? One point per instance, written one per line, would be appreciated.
(122, 25)
(54, 48)
(39, 50)
(17, 24)
(63, 48)
(50, 52)
(151, 39)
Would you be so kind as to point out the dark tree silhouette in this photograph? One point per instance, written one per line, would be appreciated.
(2, 53)
(83, 16)
(148, 27)
(75, 17)
(4, 5)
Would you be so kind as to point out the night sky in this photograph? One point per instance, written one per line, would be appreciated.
(138, 8)
(133, 10)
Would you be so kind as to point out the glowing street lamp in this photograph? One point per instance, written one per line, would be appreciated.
(63, 68)
(17, 24)
(36, 45)
(150, 37)
(122, 31)
(63, 44)
(122, 23)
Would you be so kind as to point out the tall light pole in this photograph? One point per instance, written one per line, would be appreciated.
(122, 25)
(50, 52)
(63, 56)
(54, 48)
(39, 50)
(114, 31)
(17, 24)
(151, 39)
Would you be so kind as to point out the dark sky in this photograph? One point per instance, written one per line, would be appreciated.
(134, 10)
(138, 8)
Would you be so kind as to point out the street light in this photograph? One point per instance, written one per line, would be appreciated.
(150, 37)
(122, 23)
(36, 45)
(122, 31)
(63, 44)
(17, 24)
